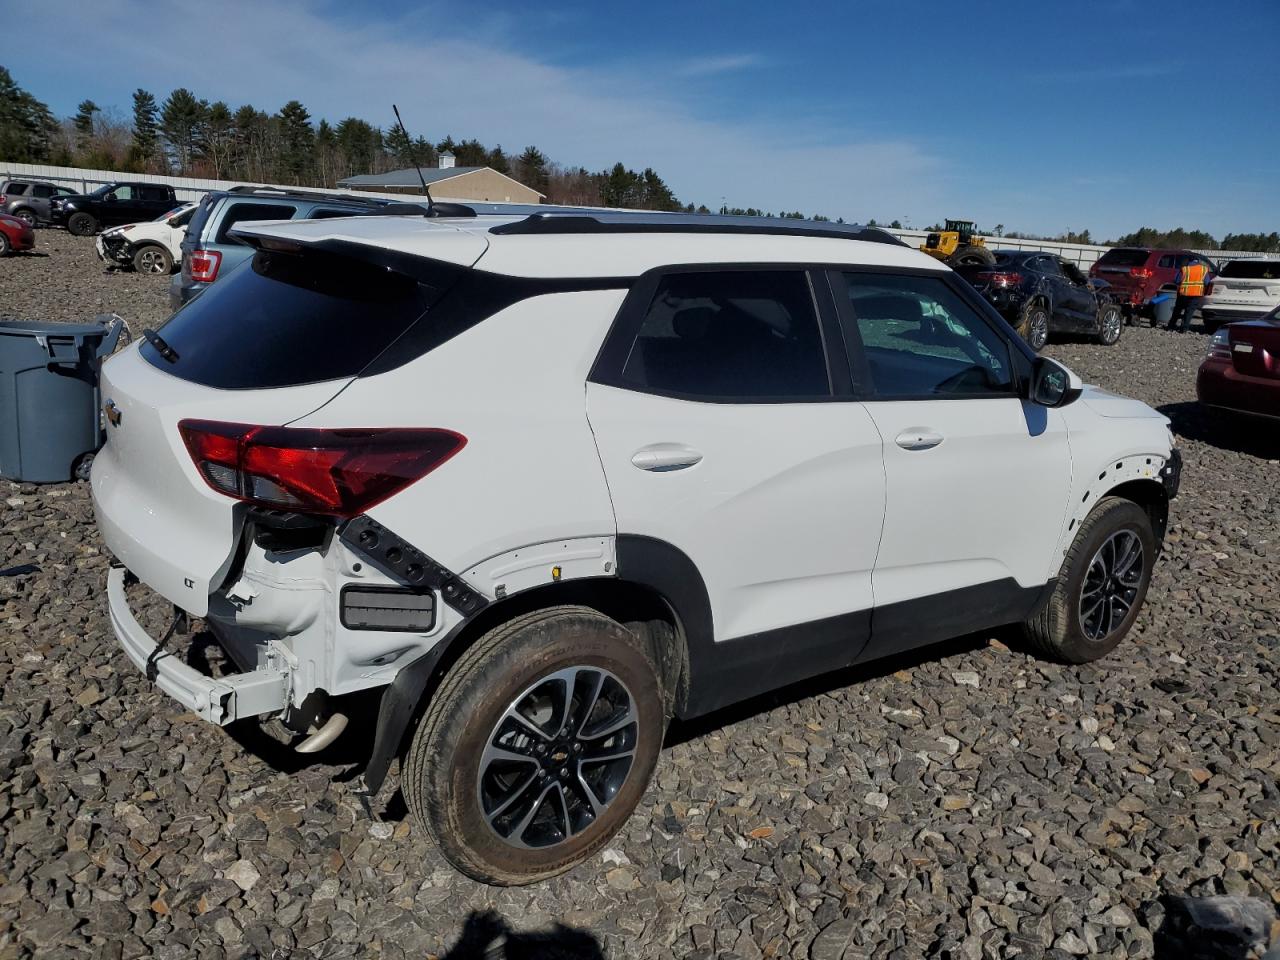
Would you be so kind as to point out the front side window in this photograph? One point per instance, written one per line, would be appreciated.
(731, 334)
(121, 193)
(920, 340)
(42, 191)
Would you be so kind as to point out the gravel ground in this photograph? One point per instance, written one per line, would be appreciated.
(967, 802)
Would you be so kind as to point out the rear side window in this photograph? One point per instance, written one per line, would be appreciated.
(1251, 269)
(729, 335)
(158, 194)
(1124, 257)
(1166, 261)
(243, 212)
(1049, 267)
(17, 189)
(285, 319)
(919, 340)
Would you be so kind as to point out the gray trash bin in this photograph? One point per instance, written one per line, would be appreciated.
(1162, 305)
(49, 402)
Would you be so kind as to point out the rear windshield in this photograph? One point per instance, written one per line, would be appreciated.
(1251, 269)
(282, 320)
(1124, 257)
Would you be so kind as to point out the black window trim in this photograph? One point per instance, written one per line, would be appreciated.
(616, 347)
(1020, 355)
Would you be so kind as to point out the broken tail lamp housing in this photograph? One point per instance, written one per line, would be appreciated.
(333, 473)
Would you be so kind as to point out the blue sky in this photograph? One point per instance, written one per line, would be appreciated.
(1039, 116)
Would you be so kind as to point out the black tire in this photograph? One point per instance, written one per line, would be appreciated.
(82, 225)
(1034, 326)
(446, 772)
(26, 215)
(4, 246)
(1110, 325)
(972, 255)
(153, 259)
(1064, 628)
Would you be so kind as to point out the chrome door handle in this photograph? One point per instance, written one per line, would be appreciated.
(918, 438)
(665, 457)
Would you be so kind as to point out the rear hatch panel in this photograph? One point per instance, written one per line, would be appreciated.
(156, 513)
(1255, 349)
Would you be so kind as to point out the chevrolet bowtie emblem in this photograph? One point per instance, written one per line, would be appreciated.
(114, 416)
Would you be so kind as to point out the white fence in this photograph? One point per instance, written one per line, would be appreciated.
(1083, 255)
(192, 188)
(186, 188)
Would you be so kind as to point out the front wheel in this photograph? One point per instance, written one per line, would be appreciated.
(5, 247)
(82, 225)
(1110, 323)
(537, 746)
(152, 259)
(1101, 587)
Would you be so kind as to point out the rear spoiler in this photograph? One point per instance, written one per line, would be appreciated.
(433, 273)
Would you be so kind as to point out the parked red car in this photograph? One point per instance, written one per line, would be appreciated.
(15, 235)
(1136, 274)
(1242, 371)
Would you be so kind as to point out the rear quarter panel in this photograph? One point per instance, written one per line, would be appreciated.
(515, 387)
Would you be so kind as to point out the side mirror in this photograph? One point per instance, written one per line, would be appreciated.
(1052, 384)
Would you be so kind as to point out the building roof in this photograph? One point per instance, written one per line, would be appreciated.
(407, 177)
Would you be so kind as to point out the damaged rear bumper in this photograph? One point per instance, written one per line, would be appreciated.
(218, 700)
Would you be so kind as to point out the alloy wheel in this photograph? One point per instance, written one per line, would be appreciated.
(152, 261)
(1111, 584)
(1111, 323)
(1038, 330)
(27, 217)
(558, 756)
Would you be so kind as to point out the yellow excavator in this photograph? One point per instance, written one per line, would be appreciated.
(959, 245)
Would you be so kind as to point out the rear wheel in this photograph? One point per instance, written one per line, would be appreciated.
(152, 259)
(1110, 323)
(972, 256)
(1035, 325)
(537, 746)
(82, 225)
(26, 215)
(1101, 587)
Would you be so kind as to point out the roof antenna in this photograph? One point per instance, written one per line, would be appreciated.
(416, 165)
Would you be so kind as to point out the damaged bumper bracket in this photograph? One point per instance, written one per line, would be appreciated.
(219, 701)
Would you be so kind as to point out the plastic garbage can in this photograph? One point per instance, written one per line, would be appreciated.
(1162, 306)
(49, 400)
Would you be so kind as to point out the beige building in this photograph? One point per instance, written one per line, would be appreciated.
(448, 182)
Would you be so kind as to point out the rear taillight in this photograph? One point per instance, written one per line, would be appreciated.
(999, 278)
(1220, 345)
(338, 473)
(1140, 273)
(204, 265)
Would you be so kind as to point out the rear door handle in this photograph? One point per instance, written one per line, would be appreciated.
(918, 438)
(665, 457)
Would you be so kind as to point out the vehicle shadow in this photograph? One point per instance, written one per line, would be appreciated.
(682, 731)
(1214, 928)
(487, 936)
(1238, 433)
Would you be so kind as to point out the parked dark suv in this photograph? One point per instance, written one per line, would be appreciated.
(29, 199)
(112, 205)
(1136, 274)
(1040, 293)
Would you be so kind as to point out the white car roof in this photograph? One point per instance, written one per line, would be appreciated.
(607, 249)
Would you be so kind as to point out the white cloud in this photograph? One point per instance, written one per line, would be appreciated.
(446, 83)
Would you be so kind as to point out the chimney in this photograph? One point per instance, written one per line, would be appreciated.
(446, 160)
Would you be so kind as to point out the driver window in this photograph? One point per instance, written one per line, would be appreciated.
(121, 193)
(921, 341)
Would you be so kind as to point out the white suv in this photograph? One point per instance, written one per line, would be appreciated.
(551, 480)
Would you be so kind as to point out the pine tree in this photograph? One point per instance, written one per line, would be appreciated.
(143, 151)
(83, 122)
(218, 144)
(531, 169)
(182, 125)
(26, 125)
(297, 141)
(497, 160)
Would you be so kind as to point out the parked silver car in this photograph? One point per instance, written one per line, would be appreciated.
(29, 199)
